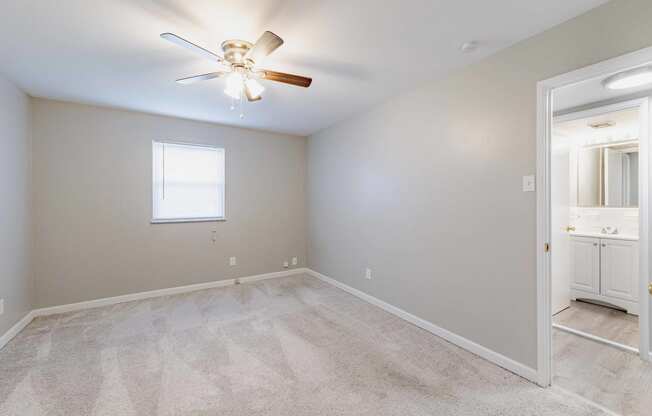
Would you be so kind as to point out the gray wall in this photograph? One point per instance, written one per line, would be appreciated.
(15, 279)
(92, 205)
(426, 188)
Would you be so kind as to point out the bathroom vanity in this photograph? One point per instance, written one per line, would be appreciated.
(604, 268)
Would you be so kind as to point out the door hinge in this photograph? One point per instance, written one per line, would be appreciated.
(546, 247)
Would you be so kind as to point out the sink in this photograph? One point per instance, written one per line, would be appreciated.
(597, 234)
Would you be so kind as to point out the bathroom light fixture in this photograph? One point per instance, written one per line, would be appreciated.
(629, 79)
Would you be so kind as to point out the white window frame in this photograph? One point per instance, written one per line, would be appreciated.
(185, 220)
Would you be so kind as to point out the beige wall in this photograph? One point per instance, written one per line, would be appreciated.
(426, 188)
(92, 183)
(15, 279)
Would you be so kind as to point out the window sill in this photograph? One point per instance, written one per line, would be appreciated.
(184, 220)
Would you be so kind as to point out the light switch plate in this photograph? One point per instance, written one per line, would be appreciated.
(528, 183)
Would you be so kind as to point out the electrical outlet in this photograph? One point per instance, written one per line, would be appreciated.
(233, 261)
(286, 264)
(295, 261)
(213, 236)
(2, 306)
(367, 273)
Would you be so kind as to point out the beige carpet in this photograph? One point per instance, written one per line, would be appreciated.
(290, 346)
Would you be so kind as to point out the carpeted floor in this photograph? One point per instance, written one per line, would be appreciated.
(289, 346)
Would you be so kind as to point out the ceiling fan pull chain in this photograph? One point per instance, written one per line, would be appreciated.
(241, 105)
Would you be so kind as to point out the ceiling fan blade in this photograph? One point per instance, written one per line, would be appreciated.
(250, 96)
(203, 77)
(191, 46)
(286, 78)
(265, 45)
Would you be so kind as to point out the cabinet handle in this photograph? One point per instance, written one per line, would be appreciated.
(604, 245)
(595, 244)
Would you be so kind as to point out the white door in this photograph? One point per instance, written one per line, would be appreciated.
(620, 269)
(585, 264)
(560, 216)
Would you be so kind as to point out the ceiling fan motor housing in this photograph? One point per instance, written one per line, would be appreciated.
(235, 50)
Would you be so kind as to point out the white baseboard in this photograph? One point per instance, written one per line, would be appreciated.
(161, 292)
(477, 349)
(13, 331)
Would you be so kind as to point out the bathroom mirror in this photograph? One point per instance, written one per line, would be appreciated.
(607, 175)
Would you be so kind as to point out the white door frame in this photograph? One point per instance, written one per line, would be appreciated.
(544, 129)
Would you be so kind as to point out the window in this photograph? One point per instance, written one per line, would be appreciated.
(187, 182)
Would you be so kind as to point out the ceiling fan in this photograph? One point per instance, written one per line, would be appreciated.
(240, 62)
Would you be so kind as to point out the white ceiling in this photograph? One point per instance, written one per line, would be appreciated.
(592, 91)
(578, 131)
(358, 52)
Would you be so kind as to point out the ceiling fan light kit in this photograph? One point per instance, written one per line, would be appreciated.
(240, 59)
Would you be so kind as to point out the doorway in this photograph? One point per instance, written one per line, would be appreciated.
(593, 223)
(594, 181)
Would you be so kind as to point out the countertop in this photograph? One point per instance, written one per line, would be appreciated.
(629, 237)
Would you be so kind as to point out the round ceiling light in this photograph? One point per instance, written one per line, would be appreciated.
(629, 79)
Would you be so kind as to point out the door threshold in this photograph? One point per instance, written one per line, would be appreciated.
(601, 340)
(585, 400)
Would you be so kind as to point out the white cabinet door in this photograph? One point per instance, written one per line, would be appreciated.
(585, 264)
(620, 269)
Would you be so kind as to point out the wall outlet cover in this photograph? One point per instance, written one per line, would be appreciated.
(295, 261)
(2, 306)
(286, 264)
(528, 183)
(367, 273)
(233, 261)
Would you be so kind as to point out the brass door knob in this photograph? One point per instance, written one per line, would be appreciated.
(649, 288)
(570, 228)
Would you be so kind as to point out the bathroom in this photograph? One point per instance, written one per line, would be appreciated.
(595, 195)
